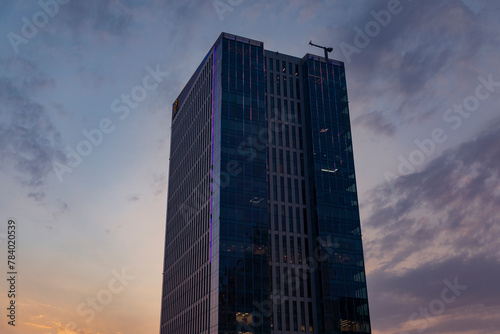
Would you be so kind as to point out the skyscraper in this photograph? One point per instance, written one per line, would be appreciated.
(263, 231)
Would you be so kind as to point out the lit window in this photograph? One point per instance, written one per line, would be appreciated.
(244, 318)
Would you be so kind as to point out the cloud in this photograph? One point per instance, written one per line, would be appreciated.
(133, 198)
(159, 184)
(118, 18)
(474, 5)
(425, 52)
(109, 17)
(453, 203)
(38, 196)
(377, 122)
(400, 296)
(308, 12)
(29, 140)
(39, 326)
(436, 224)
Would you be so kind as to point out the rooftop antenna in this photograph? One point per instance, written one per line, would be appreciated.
(322, 47)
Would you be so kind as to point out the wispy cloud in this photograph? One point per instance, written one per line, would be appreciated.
(403, 301)
(423, 56)
(459, 193)
(438, 222)
(29, 140)
(37, 325)
(112, 18)
(377, 122)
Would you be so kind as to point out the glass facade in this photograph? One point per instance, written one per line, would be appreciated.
(240, 278)
(186, 275)
(291, 291)
(343, 301)
(263, 231)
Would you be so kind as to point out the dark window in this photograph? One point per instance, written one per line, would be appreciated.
(289, 199)
(299, 251)
(295, 316)
(299, 116)
(300, 142)
(271, 83)
(278, 85)
(302, 172)
(311, 328)
(287, 315)
(281, 162)
(287, 140)
(273, 164)
(275, 188)
(277, 255)
(297, 88)
(295, 163)
(283, 219)
(285, 255)
(303, 192)
(286, 115)
(296, 190)
(278, 315)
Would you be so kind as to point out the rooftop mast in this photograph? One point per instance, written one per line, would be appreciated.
(327, 49)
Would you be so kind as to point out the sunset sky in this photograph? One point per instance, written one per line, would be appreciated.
(423, 81)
